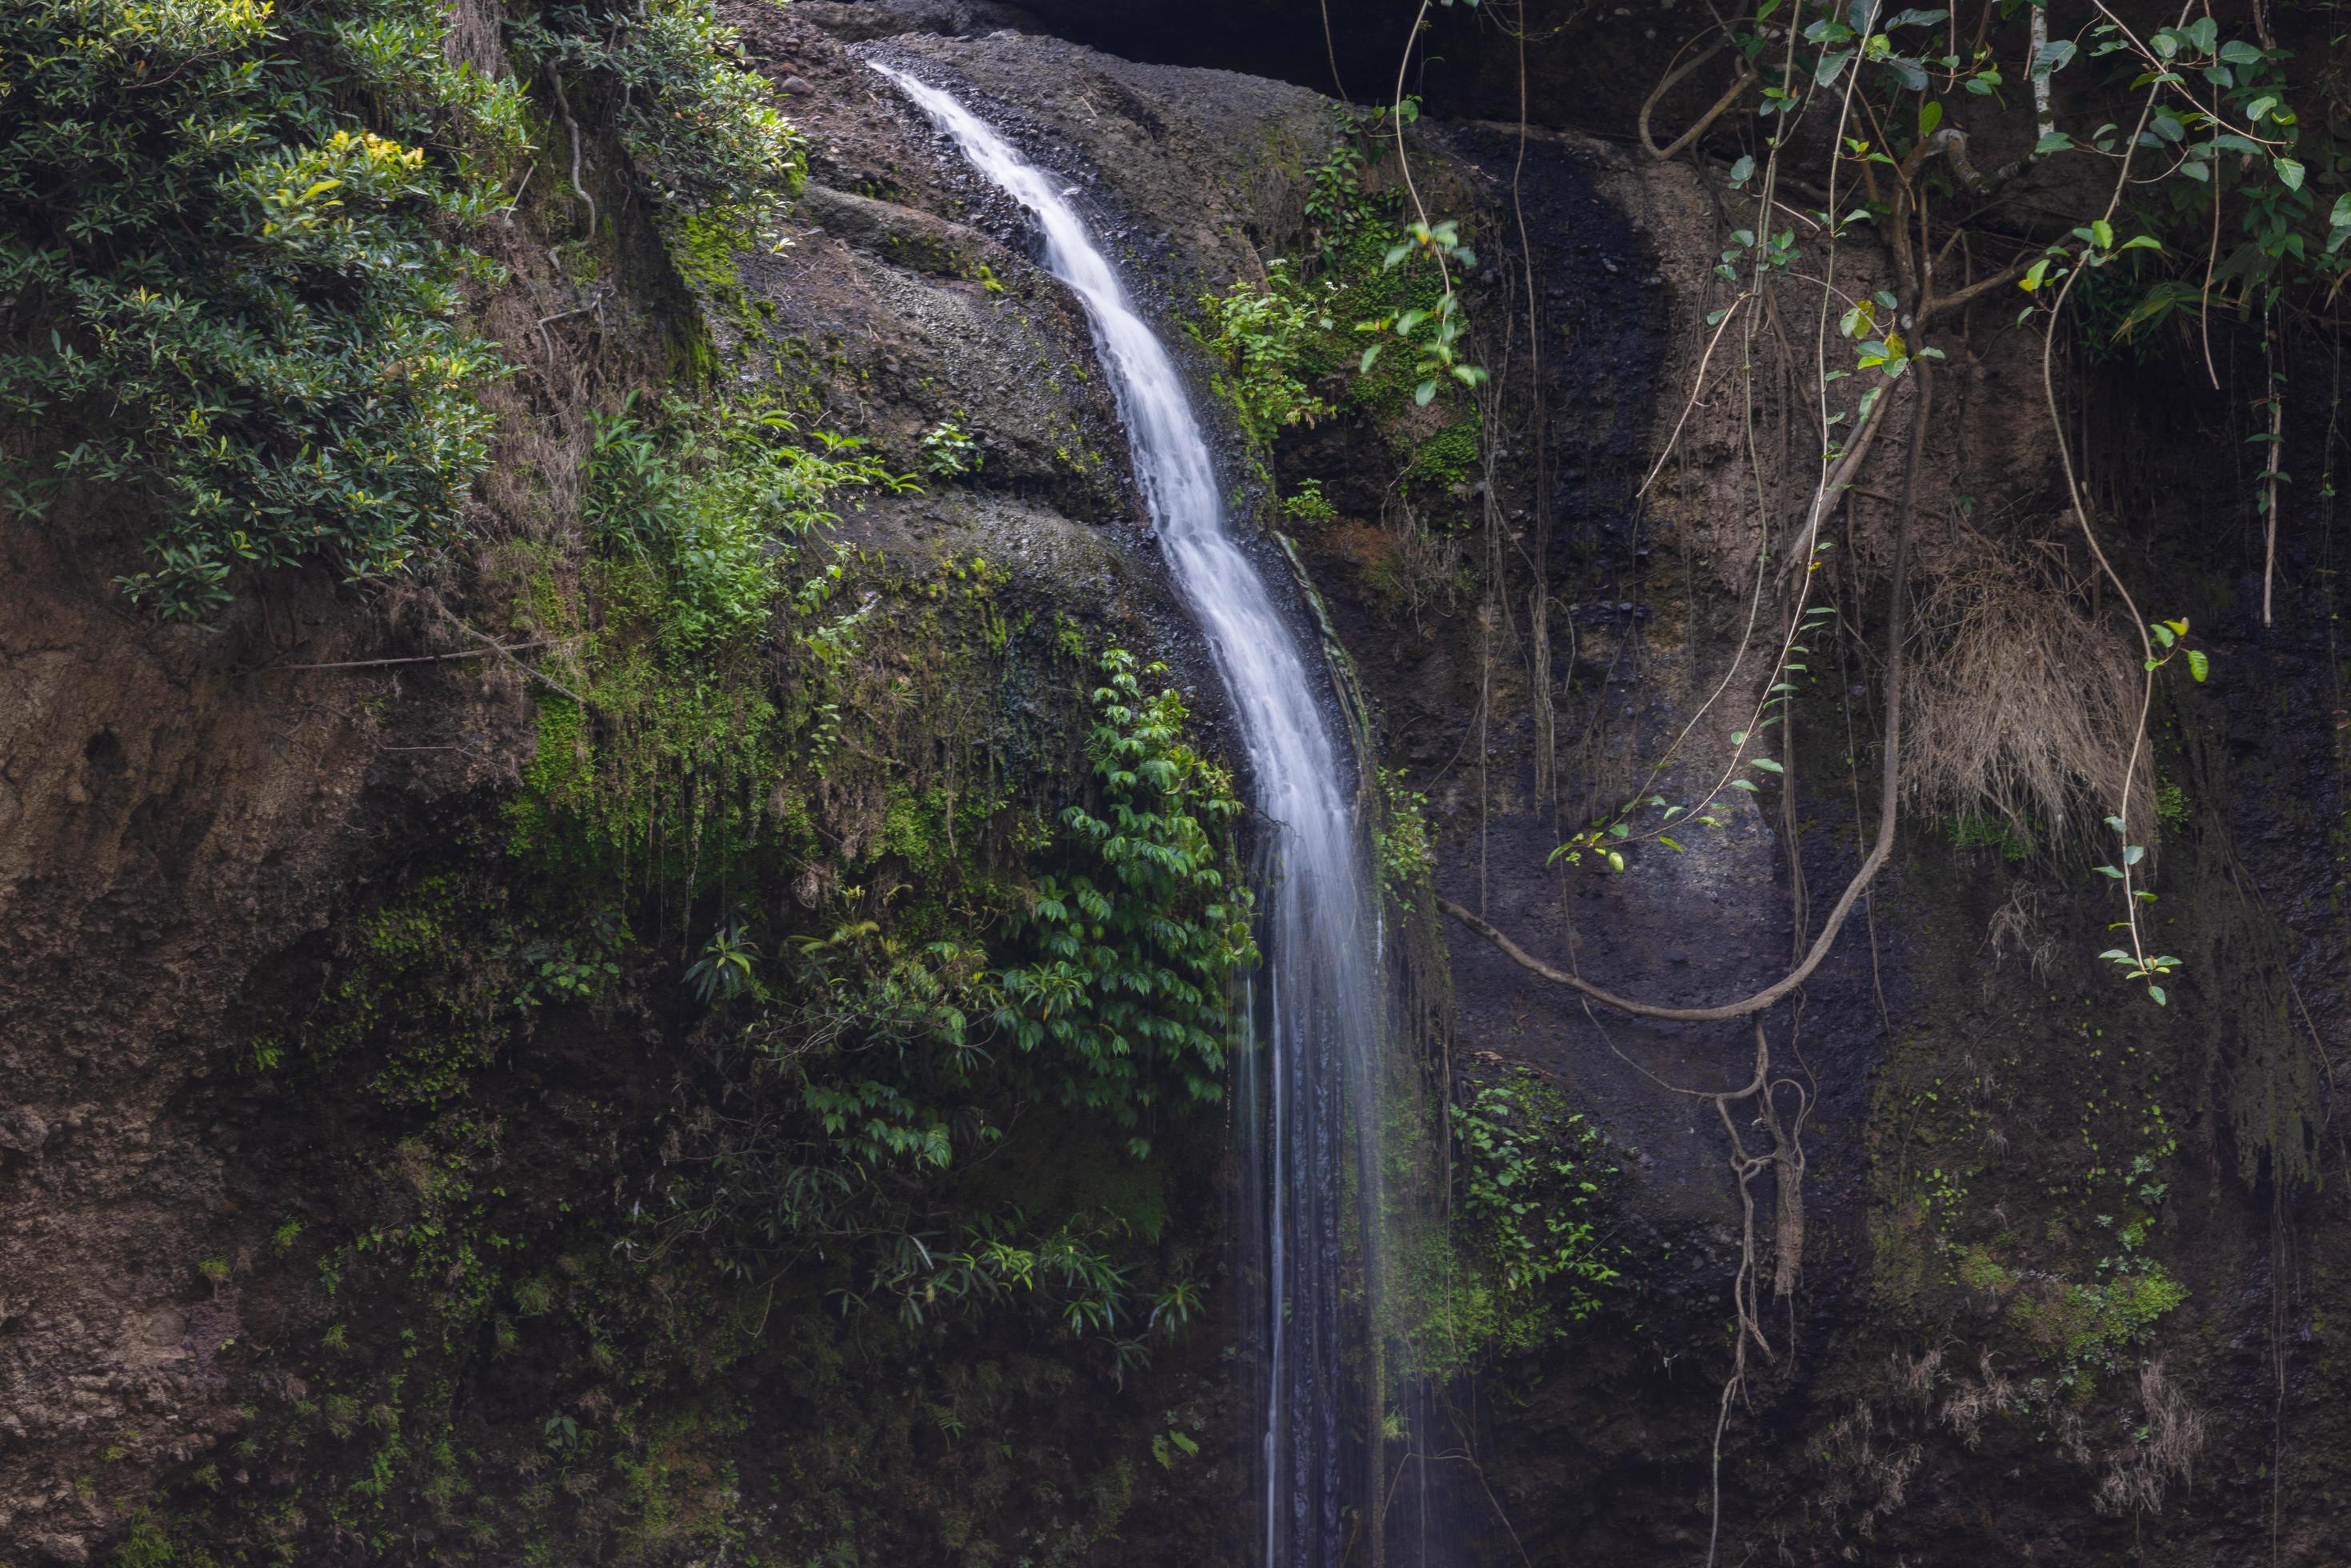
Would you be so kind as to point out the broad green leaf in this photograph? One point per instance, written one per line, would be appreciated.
(2197, 665)
(2289, 172)
(2054, 55)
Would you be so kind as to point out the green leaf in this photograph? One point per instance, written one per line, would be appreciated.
(2259, 107)
(1746, 784)
(2197, 665)
(2289, 172)
(2054, 141)
(2237, 52)
(2156, 992)
(1766, 764)
(1930, 115)
(2163, 633)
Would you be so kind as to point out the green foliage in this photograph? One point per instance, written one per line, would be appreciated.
(949, 453)
(1261, 334)
(1307, 509)
(1527, 1257)
(1449, 457)
(724, 968)
(661, 776)
(1335, 204)
(1433, 334)
(225, 281)
(715, 504)
(1985, 830)
(2077, 1321)
(1405, 853)
(2172, 807)
(1135, 949)
(699, 125)
(1532, 1172)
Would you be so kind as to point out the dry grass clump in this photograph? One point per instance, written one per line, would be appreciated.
(2016, 703)
(2163, 1451)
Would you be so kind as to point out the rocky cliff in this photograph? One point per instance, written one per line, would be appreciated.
(503, 1072)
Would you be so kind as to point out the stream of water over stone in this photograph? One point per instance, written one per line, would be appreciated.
(1322, 1009)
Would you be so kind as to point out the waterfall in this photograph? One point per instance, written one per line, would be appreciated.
(1322, 982)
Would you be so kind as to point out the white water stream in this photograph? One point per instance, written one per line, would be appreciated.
(1324, 977)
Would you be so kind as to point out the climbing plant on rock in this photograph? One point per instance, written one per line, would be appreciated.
(1125, 1001)
(226, 289)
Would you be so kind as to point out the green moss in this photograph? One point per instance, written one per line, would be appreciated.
(2075, 1319)
(2171, 806)
(1449, 457)
(1980, 1271)
(1984, 831)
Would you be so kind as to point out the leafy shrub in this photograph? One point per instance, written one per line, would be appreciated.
(660, 777)
(715, 506)
(1308, 509)
(1406, 855)
(1530, 1173)
(1263, 333)
(1134, 952)
(699, 128)
(220, 283)
(948, 452)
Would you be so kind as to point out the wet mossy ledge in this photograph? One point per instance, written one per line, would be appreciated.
(837, 1004)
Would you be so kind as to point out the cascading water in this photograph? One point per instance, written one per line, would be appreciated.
(1323, 975)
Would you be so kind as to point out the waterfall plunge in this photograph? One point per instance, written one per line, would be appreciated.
(1323, 979)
